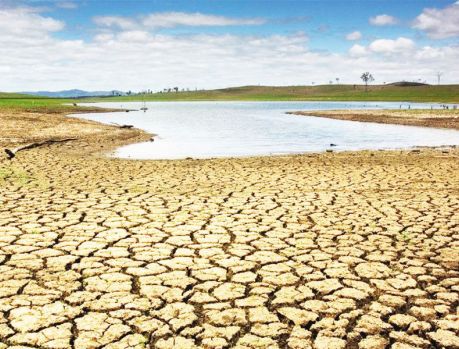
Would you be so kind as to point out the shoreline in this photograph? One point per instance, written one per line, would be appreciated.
(19, 127)
(101, 139)
(446, 148)
(448, 119)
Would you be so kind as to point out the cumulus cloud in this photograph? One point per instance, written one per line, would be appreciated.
(382, 20)
(356, 35)
(174, 19)
(385, 47)
(358, 50)
(135, 59)
(439, 23)
(27, 21)
(134, 36)
(116, 21)
(388, 46)
(104, 37)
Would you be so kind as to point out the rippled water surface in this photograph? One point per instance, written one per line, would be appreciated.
(225, 129)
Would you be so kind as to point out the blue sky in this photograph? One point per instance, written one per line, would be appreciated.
(219, 43)
(325, 21)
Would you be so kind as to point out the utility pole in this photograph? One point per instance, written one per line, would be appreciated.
(439, 74)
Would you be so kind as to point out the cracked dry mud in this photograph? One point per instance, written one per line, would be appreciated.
(351, 250)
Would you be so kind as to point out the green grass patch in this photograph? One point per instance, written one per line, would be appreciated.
(15, 175)
(12, 174)
(427, 93)
(37, 104)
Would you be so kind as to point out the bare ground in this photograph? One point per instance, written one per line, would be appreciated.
(427, 118)
(19, 128)
(348, 250)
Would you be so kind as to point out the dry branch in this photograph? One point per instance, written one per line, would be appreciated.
(122, 126)
(11, 153)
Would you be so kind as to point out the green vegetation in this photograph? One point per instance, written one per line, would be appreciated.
(425, 93)
(422, 93)
(27, 103)
(17, 176)
(5, 95)
(14, 174)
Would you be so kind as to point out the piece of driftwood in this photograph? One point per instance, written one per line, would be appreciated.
(123, 126)
(11, 153)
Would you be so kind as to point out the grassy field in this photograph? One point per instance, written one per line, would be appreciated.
(443, 93)
(19, 102)
(438, 94)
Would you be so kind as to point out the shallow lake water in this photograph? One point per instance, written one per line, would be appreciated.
(227, 129)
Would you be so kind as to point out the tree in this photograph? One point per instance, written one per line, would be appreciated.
(367, 78)
(337, 80)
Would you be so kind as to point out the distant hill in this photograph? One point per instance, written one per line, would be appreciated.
(397, 92)
(331, 92)
(74, 93)
(407, 83)
(12, 95)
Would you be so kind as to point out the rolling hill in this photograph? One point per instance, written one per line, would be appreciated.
(392, 92)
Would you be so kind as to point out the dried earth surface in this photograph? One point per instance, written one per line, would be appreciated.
(335, 250)
(22, 127)
(428, 118)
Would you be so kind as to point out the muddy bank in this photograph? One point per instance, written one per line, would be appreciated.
(425, 118)
(23, 127)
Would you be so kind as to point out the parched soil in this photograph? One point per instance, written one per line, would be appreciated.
(335, 250)
(20, 128)
(427, 118)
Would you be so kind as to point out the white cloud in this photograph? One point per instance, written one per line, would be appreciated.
(104, 37)
(27, 21)
(437, 54)
(67, 5)
(439, 23)
(135, 59)
(356, 35)
(388, 46)
(382, 20)
(173, 19)
(358, 50)
(134, 36)
(115, 21)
